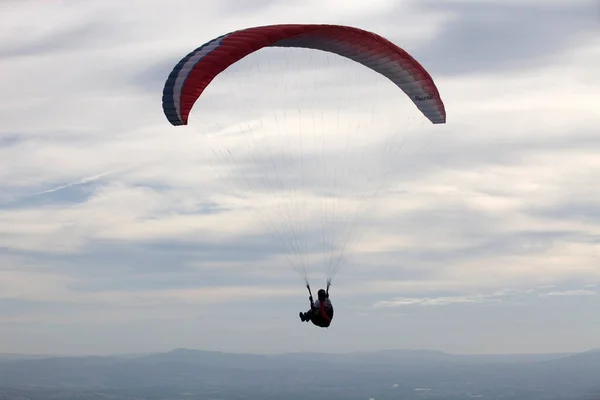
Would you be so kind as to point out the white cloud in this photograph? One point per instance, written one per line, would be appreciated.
(501, 295)
(577, 292)
(427, 301)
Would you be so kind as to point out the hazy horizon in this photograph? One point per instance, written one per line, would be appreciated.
(325, 352)
(185, 374)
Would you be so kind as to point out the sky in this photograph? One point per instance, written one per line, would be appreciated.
(120, 233)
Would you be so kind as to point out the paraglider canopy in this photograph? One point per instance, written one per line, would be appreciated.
(194, 72)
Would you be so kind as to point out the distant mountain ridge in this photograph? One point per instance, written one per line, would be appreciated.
(411, 353)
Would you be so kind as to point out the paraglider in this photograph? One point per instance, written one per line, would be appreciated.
(192, 75)
(321, 311)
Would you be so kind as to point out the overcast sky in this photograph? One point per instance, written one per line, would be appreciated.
(121, 233)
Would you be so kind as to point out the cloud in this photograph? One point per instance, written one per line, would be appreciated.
(73, 28)
(506, 295)
(426, 301)
(107, 210)
(503, 37)
(578, 292)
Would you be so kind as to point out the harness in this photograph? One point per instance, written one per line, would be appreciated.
(322, 311)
